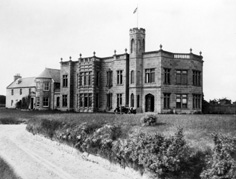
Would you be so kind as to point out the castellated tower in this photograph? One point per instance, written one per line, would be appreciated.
(137, 48)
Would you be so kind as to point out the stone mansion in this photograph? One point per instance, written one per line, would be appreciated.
(156, 81)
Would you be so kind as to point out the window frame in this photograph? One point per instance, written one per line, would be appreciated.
(181, 77)
(150, 75)
(197, 101)
(46, 86)
(45, 101)
(196, 78)
(167, 72)
(132, 77)
(119, 77)
(166, 98)
(64, 100)
(65, 81)
(119, 99)
(180, 101)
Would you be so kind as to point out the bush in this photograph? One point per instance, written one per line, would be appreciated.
(221, 164)
(149, 120)
(10, 121)
(165, 157)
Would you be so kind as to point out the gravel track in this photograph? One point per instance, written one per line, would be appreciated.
(36, 157)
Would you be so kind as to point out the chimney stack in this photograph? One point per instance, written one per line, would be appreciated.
(17, 76)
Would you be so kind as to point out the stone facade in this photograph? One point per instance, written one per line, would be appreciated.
(156, 81)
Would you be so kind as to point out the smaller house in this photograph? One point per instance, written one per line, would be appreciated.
(21, 88)
(48, 89)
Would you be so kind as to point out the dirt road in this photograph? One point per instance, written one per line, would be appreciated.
(35, 157)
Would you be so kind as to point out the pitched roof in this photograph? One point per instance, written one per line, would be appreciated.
(50, 73)
(23, 82)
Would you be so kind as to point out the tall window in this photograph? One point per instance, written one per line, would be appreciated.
(137, 101)
(132, 45)
(181, 101)
(85, 79)
(64, 100)
(46, 86)
(119, 77)
(58, 101)
(166, 76)
(64, 80)
(86, 100)
(45, 102)
(196, 78)
(166, 100)
(109, 100)
(181, 77)
(132, 77)
(196, 101)
(37, 101)
(20, 91)
(12, 91)
(119, 100)
(109, 78)
(132, 100)
(138, 78)
(150, 75)
(97, 100)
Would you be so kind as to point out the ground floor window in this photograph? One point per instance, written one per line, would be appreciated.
(97, 100)
(196, 101)
(85, 100)
(64, 100)
(37, 101)
(119, 100)
(137, 101)
(58, 101)
(109, 100)
(181, 101)
(132, 100)
(166, 100)
(45, 102)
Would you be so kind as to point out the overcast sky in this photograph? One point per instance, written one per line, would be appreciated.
(35, 34)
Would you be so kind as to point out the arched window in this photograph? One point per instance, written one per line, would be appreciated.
(138, 78)
(132, 100)
(137, 101)
(132, 46)
(139, 45)
(132, 77)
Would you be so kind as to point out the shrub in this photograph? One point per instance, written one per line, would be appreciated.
(166, 157)
(100, 142)
(149, 120)
(221, 164)
(10, 121)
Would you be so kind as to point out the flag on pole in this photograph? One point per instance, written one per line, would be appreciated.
(135, 10)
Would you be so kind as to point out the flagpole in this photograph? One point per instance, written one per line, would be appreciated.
(137, 15)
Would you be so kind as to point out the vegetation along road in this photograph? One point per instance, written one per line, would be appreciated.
(33, 156)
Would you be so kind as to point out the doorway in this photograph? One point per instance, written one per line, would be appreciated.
(31, 103)
(149, 100)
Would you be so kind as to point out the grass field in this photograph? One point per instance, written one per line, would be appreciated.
(197, 128)
(186, 146)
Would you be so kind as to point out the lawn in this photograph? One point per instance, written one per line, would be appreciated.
(177, 145)
(197, 128)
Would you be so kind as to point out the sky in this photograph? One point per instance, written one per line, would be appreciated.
(35, 34)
